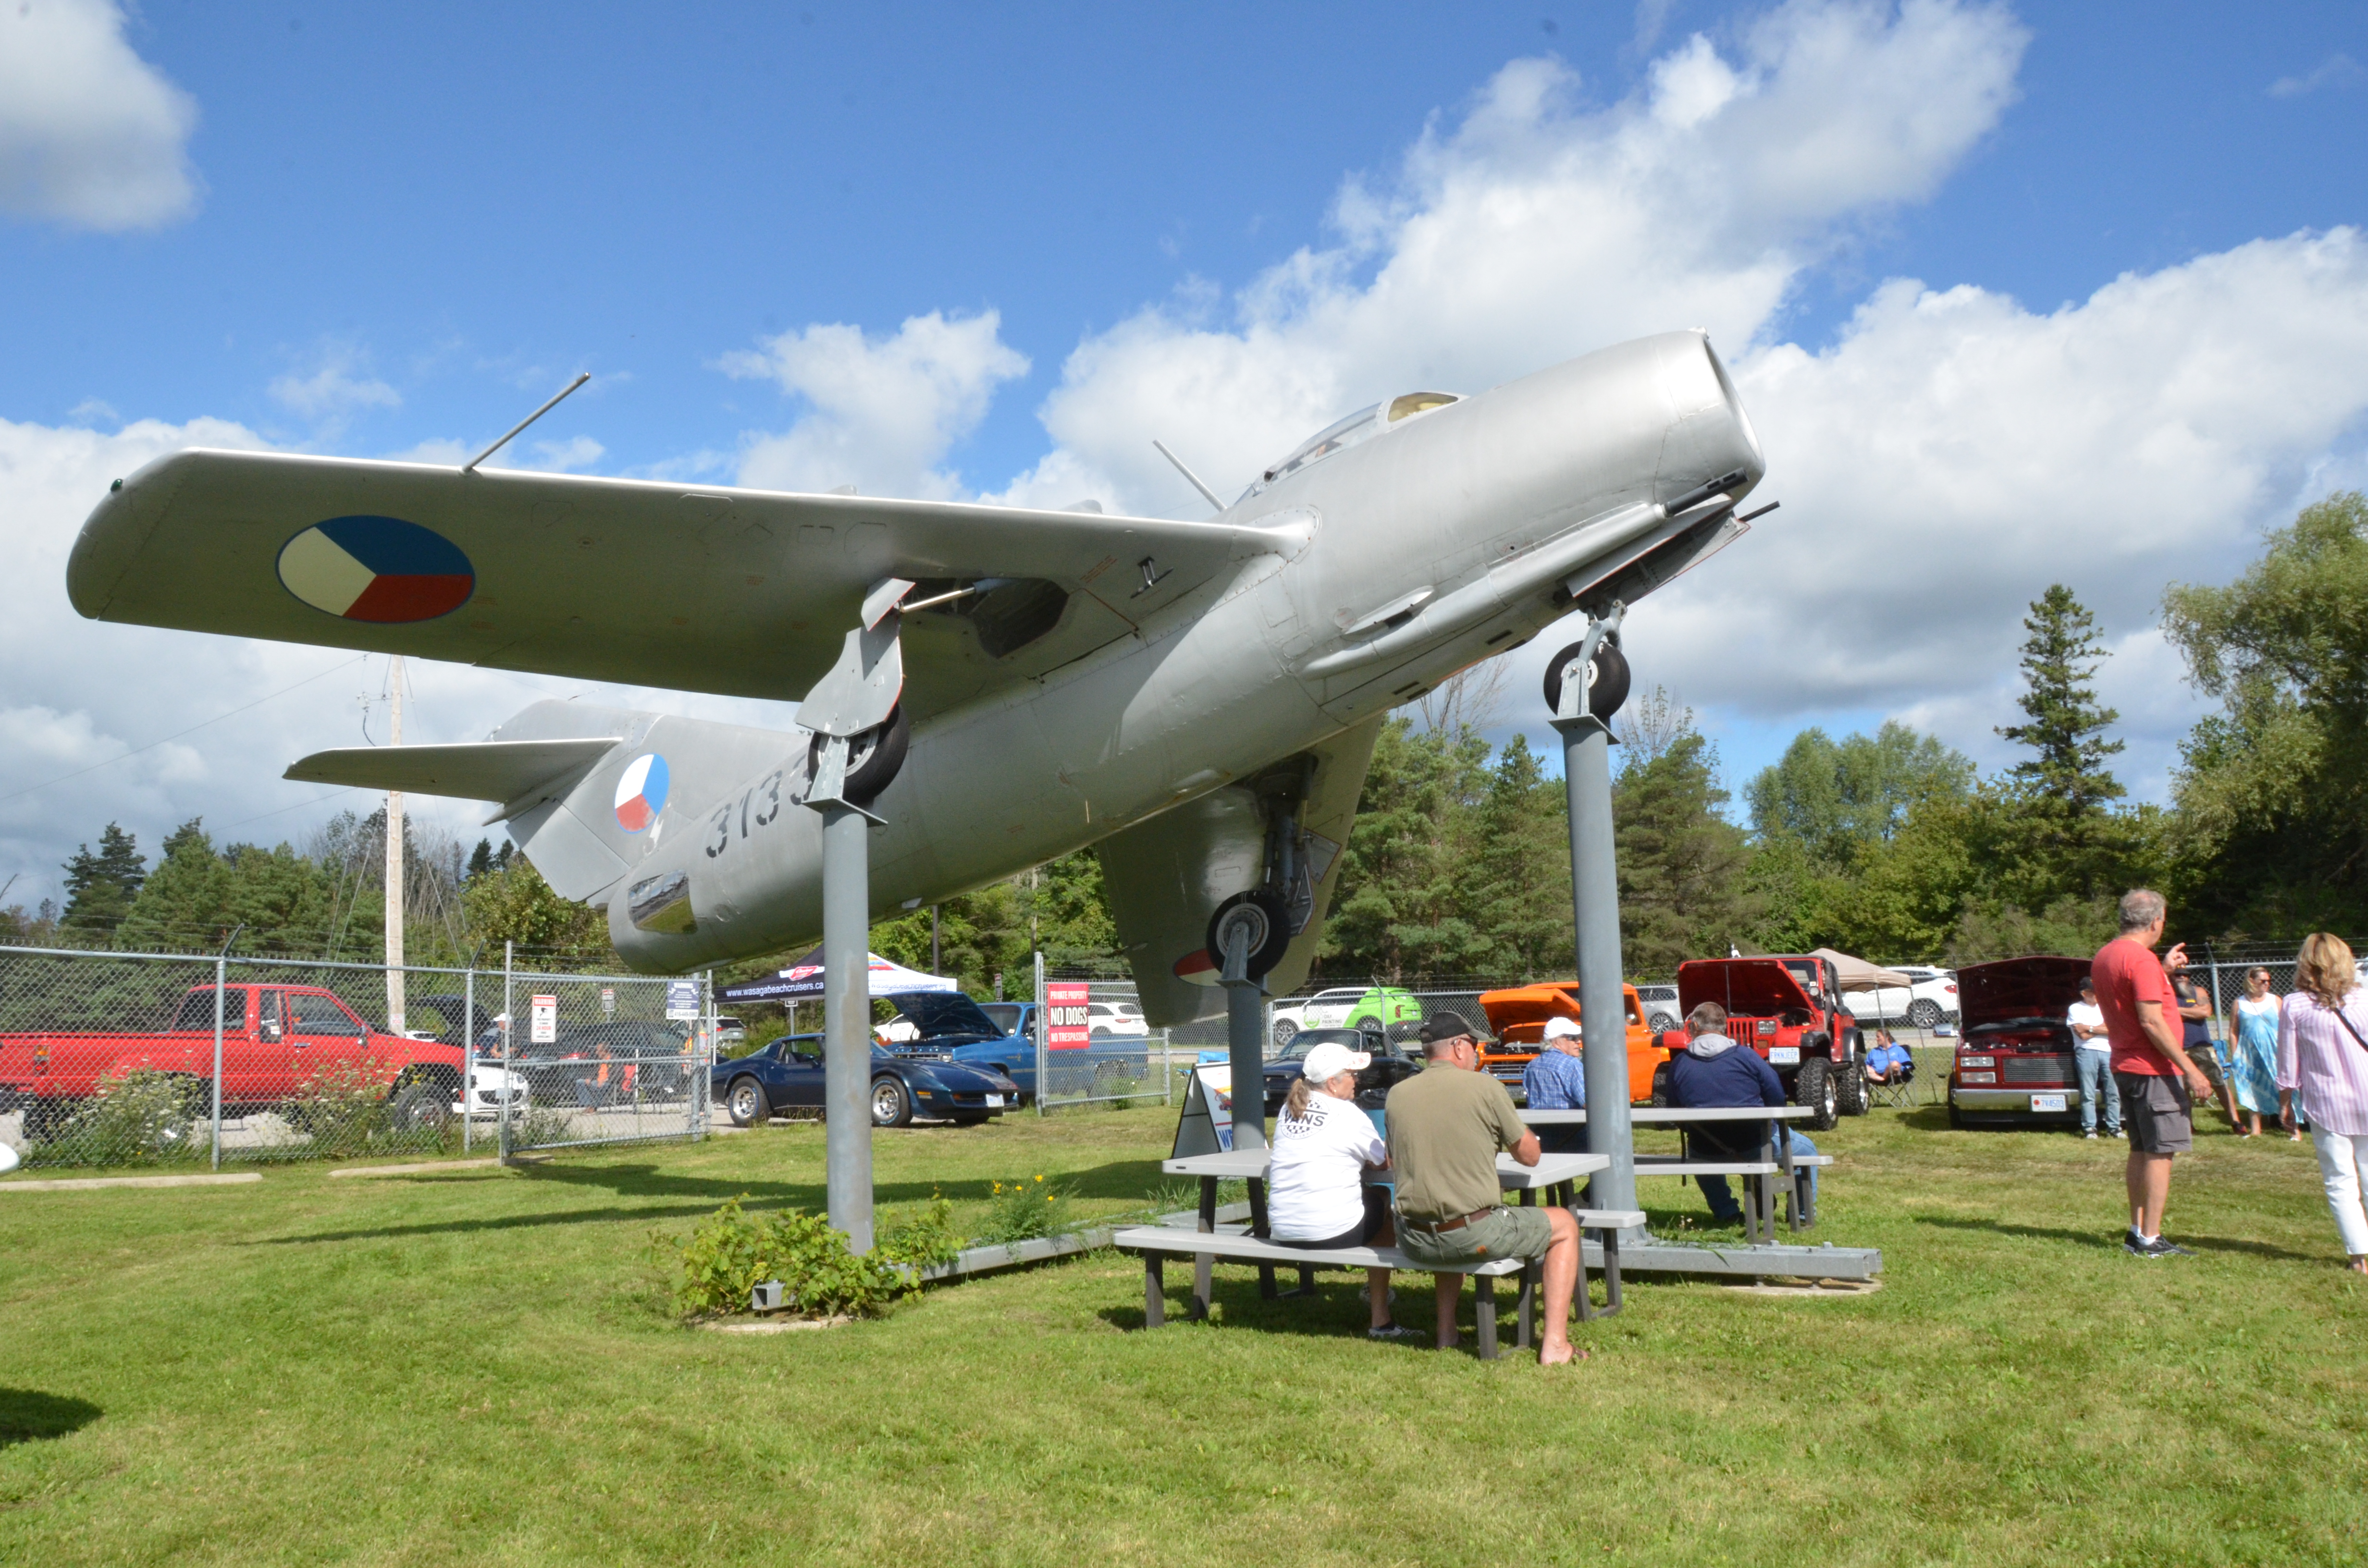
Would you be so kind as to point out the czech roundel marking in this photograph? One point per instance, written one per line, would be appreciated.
(377, 569)
(641, 792)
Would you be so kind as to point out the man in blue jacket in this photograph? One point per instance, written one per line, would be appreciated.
(1716, 1072)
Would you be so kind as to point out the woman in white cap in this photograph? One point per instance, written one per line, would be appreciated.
(1323, 1147)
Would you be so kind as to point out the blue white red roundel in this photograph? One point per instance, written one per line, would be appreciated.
(641, 792)
(377, 569)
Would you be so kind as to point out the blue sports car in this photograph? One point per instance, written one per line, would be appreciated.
(787, 1074)
(949, 1024)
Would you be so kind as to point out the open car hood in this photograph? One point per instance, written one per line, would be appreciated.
(2019, 988)
(946, 1016)
(1749, 988)
(1520, 1013)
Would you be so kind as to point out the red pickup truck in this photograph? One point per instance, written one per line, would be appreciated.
(275, 1039)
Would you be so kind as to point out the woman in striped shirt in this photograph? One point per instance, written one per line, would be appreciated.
(2323, 1067)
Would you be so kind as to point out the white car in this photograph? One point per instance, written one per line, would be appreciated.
(1325, 1010)
(1106, 1018)
(488, 1086)
(1926, 1003)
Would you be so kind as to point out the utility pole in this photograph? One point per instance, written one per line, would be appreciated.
(394, 867)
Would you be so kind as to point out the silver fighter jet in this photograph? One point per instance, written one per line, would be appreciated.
(1195, 700)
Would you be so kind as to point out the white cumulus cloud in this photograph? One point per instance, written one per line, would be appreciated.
(1541, 226)
(91, 135)
(880, 413)
(338, 388)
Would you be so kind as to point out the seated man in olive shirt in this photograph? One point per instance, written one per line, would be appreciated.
(1446, 1125)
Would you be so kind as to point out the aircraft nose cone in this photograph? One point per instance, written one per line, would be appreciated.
(1711, 434)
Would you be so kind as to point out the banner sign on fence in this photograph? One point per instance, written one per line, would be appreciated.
(1068, 1020)
(542, 1020)
(607, 1001)
(682, 999)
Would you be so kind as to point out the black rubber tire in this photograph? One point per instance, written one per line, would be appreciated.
(745, 1101)
(1854, 1095)
(1608, 688)
(1955, 1120)
(1284, 1028)
(891, 1102)
(421, 1108)
(45, 1117)
(878, 756)
(1661, 1084)
(1814, 1087)
(1265, 953)
(1923, 1013)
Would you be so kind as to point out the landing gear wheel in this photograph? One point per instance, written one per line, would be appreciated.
(874, 757)
(1261, 913)
(1283, 1029)
(746, 1101)
(1661, 1084)
(1923, 1013)
(1814, 1088)
(1853, 1098)
(892, 1103)
(1607, 678)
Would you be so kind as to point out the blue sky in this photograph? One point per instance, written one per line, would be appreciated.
(379, 229)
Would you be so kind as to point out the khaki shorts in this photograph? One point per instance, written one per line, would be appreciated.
(1503, 1232)
(2157, 1113)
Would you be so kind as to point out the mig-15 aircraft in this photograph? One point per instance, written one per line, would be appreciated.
(1196, 702)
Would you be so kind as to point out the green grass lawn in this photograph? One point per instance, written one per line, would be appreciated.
(477, 1367)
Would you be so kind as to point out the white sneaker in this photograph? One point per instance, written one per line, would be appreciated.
(2090, 1136)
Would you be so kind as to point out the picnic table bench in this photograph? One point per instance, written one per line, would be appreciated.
(1776, 1158)
(1555, 1174)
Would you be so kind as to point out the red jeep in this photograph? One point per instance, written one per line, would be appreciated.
(1788, 1009)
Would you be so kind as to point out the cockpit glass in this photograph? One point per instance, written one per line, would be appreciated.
(1360, 425)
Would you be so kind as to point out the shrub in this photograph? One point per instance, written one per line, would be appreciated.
(731, 1252)
(346, 1109)
(139, 1116)
(923, 1240)
(1023, 1210)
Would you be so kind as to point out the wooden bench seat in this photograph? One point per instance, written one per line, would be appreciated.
(1158, 1242)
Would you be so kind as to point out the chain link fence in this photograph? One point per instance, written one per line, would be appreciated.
(114, 1060)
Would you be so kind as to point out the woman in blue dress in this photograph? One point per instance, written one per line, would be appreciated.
(2253, 1042)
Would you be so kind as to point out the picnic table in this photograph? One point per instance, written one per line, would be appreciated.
(1555, 1174)
(1777, 1158)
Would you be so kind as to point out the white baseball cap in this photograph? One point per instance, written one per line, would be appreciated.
(1562, 1028)
(1329, 1058)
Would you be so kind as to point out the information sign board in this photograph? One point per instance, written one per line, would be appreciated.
(1068, 1020)
(682, 999)
(542, 1020)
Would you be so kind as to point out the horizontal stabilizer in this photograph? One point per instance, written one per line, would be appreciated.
(485, 770)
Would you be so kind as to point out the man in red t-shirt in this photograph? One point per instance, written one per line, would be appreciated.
(2156, 1079)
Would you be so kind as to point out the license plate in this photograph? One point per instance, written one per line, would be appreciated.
(995, 1101)
(1784, 1055)
(2047, 1102)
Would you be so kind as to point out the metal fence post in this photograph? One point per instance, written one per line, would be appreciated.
(1037, 1015)
(702, 1069)
(468, 1050)
(509, 982)
(222, 979)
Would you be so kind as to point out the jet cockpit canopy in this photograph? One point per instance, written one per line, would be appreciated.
(1361, 426)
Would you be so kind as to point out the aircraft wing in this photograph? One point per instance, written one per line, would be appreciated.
(742, 592)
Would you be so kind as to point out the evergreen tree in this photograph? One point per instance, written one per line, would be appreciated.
(181, 905)
(1514, 886)
(1682, 892)
(100, 887)
(481, 859)
(2060, 661)
(1395, 913)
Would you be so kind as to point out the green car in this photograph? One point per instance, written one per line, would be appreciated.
(1384, 1008)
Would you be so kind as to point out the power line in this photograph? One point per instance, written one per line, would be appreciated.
(176, 734)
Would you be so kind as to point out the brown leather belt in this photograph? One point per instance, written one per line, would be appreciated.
(1455, 1225)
